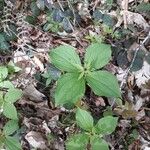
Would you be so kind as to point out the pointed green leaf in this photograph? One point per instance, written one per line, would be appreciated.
(3, 73)
(65, 58)
(10, 127)
(69, 89)
(9, 110)
(106, 125)
(84, 119)
(97, 55)
(13, 95)
(103, 83)
(12, 143)
(6, 84)
(77, 142)
(98, 143)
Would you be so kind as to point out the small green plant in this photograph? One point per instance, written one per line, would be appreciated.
(8, 96)
(52, 25)
(71, 85)
(92, 135)
(6, 140)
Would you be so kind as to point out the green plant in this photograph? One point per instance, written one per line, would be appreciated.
(92, 134)
(8, 96)
(71, 85)
(51, 25)
(10, 143)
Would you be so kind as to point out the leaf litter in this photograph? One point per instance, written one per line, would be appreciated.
(72, 22)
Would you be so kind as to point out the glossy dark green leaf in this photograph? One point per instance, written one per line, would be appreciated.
(138, 61)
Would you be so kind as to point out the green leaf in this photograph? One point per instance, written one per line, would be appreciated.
(12, 68)
(48, 81)
(77, 142)
(143, 7)
(1, 98)
(3, 73)
(69, 89)
(13, 95)
(6, 84)
(9, 110)
(106, 125)
(97, 55)
(84, 119)
(12, 143)
(103, 83)
(10, 127)
(65, 58)
(98, 143)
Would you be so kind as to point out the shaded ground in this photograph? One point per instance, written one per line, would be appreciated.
(30, 29)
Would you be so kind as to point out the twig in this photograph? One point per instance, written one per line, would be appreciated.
(125, 13)
(95, 5)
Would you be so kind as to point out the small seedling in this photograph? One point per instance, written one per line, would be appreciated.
(71, 85)
(92, 134)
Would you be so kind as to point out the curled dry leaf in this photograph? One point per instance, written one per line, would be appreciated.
(137, 19)
(36, 140)
(143, 75)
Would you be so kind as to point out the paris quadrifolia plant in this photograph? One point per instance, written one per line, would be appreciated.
(71, 88)
(71, 85)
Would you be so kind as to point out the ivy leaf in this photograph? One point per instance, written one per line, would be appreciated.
(10, 127)
(97, 55)
(69, 89)
(9, 110)
(65, 58)
(84, 119)
(103, 83)
(12, 143)
(13, 95)
(98, 143)
(78, 141)
(106, 125)
(3, 73)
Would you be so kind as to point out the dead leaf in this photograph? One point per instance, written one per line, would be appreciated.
(36, 140)
(137, 19)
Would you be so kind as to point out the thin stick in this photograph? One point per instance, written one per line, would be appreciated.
(125, 13)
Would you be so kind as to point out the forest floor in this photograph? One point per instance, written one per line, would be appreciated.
(30, 29)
